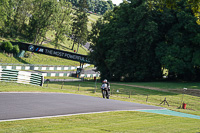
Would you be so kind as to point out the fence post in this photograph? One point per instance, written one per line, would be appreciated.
(78, 87)
(130, 94)
(147, 98)
(47, 83)
(95, 89)
(62, 85)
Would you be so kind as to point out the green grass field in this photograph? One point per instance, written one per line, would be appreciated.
(169, 85)
(111, 121)
(118, 122)
(38, 59)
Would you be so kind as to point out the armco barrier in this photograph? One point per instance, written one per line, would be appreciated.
(38, 67)
(69, 75)
(62, 80)
(9, 75)
(48, 67)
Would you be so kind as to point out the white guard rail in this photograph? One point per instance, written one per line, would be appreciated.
(9, 75)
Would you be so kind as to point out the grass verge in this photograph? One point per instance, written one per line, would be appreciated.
(129, 121)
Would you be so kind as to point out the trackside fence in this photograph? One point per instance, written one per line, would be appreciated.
(9, 75)
(39, 67)
(167, 98)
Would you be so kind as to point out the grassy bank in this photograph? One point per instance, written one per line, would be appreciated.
(105, 122)
(38, 59)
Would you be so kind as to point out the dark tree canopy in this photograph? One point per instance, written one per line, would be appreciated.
(135, 41)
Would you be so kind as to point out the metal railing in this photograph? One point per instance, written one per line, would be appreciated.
(9, 75)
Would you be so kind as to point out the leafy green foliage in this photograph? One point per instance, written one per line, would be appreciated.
(31, 19)
(62, 25)
(79, 29)
(134, 43)
(7, 46)
(3, 13)
(16, 49)
(180, 44)
(42, 19)
(121, 50)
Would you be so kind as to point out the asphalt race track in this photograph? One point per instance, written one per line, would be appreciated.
(32, 105)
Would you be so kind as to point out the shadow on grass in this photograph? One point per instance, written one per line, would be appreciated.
(64, 47)
(21, 60)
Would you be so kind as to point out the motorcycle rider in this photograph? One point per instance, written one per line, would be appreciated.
(105, 81)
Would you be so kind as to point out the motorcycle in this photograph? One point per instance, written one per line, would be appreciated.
(105, 92)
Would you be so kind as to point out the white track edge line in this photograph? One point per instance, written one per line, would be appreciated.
(32, 118)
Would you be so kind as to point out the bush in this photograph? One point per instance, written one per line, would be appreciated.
(27, 54)
(7, 46)
(16, 49)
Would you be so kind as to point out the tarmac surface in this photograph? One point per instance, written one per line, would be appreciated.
(15, 106)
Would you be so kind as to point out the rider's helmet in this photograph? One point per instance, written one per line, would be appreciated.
(105, 81)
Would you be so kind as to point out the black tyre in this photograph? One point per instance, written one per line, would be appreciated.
(107, 97)
(103, 93)
(107, 94)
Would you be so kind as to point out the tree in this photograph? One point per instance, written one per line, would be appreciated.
(8, 27)
(41, 19)
(16, 49)
(178, 50)
(7, 46)
(62, 23)
(3, 13)
(17, 17)
(23, 11)
(121, 50)
(135, 41)
(79, 29)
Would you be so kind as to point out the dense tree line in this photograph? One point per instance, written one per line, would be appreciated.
(96, 6)
(136, 40)
(31, 19)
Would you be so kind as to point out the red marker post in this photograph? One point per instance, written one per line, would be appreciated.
(184, 106)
